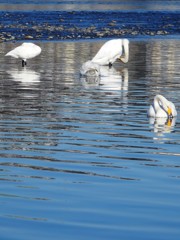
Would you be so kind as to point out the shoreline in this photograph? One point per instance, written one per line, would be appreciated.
(79, 25)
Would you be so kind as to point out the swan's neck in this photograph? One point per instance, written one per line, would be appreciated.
(125, 47)
(161, 103)
(157, 105)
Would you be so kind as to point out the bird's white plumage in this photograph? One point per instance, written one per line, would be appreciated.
(112, 50)
(25, 51)
(90, 69)
(160, 107)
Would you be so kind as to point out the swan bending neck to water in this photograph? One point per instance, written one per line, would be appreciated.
(161, 107)
(25, 51)
(90, 69)
(112, 50)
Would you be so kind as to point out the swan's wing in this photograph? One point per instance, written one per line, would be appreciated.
(103, 55)
(29, 51)
(15, 52)
(25, 51)
(174, 112)
(151, 111)
(109, 52)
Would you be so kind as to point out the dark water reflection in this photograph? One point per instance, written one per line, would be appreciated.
(79, 158)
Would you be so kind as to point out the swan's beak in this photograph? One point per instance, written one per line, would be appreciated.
(170, 112)
(169, 122)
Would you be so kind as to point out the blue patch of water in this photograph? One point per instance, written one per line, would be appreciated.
(79, 158)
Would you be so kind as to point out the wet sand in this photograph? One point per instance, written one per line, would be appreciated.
(63, 25)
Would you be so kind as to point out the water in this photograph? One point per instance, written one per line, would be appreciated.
(61, 25)
(79, 158)
(105, 5)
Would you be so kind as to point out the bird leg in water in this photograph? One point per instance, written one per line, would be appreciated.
(110, 64)
(23, 63)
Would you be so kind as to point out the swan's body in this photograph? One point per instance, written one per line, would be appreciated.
(90, 69)
(112, 50)
(161, 107)
(25, 51)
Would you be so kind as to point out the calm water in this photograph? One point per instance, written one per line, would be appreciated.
(130, 5)
(79, 159)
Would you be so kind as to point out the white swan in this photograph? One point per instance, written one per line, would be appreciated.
(161, 107)
(90, 69)
(112, 50)
(25, 51)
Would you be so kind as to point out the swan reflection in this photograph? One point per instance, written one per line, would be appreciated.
(163, 125)
(90, 69)
(25, 77)
(109, 79)
(112, 79)
(90, 81)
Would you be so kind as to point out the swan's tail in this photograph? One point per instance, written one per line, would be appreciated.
(12, 53)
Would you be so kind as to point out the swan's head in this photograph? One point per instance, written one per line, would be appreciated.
(169, 122)
(165, 105)
(169, 112)
(92, 72)
(90, 69)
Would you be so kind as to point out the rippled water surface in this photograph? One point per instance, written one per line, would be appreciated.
(75, 5)
(79, 159)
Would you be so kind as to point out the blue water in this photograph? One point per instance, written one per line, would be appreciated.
(79, 159)
(74, 5)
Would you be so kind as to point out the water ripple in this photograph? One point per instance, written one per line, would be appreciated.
(80, 156)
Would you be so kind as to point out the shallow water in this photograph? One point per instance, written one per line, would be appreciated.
(106, 5)
(79, 158)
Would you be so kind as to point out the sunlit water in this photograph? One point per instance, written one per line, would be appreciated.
(79, 159)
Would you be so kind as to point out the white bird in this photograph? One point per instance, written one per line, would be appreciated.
(161, 107)
(112, 50)
(25, 51)
(90, 69)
